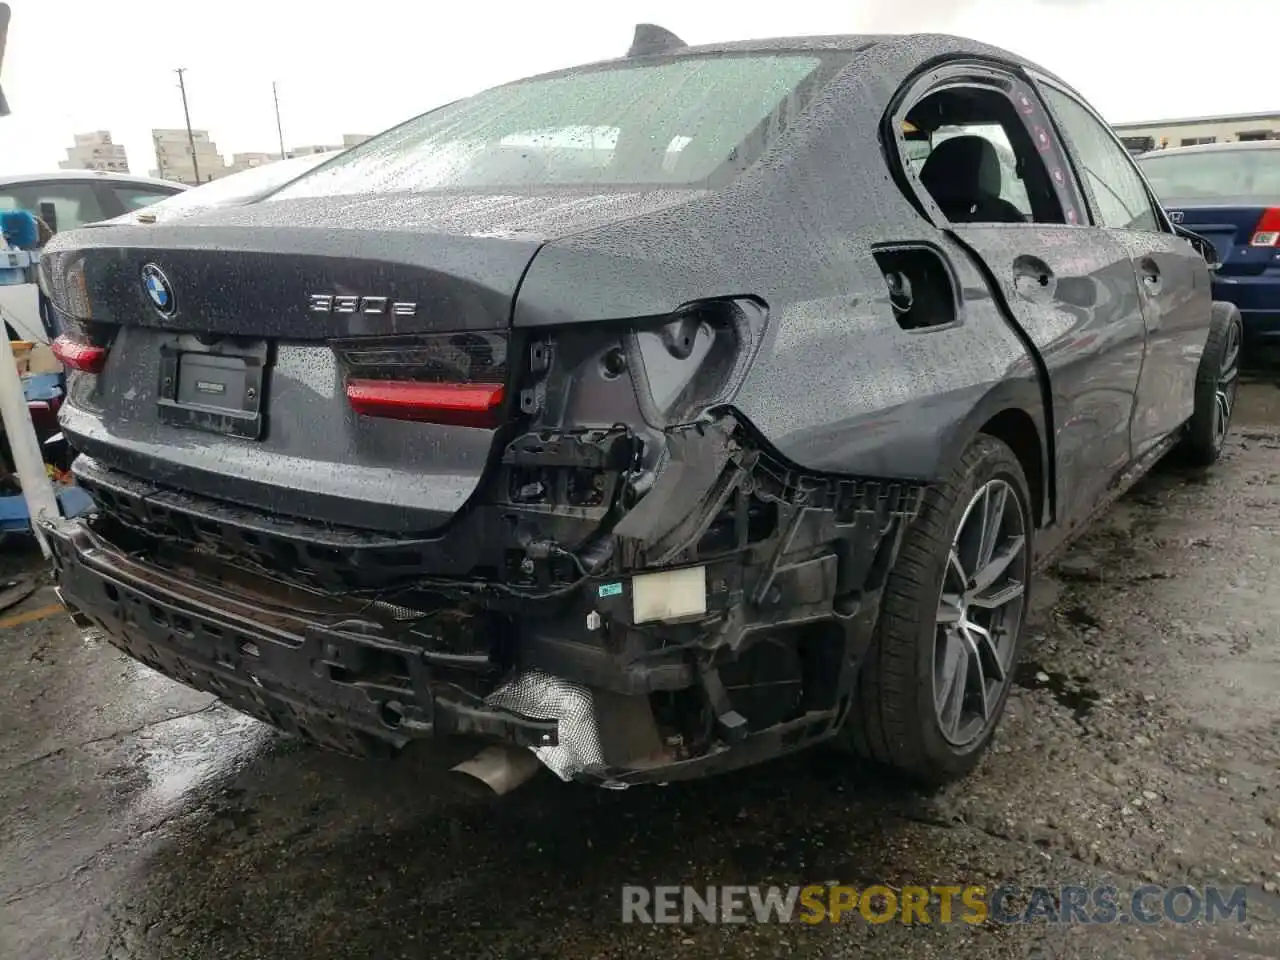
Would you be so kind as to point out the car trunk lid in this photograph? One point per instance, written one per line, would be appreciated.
(352, 376)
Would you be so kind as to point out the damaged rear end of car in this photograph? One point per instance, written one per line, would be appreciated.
(498, 457)
(634, 585)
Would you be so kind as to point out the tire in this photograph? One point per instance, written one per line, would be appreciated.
(894, 719)
(1217, 382)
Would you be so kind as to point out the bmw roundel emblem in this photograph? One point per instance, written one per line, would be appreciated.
(159, 291)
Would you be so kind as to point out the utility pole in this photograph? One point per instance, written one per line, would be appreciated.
(279, 129)
(191, 140)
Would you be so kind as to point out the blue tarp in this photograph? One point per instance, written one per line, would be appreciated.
(42, 386)
(13, 510)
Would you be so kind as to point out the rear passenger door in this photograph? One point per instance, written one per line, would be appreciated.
(1069, 287)
(1174, 283)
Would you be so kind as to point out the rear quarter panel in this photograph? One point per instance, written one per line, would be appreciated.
(836, 386)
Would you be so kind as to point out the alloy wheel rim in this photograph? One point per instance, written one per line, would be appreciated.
(979, 613)
(1224, 399)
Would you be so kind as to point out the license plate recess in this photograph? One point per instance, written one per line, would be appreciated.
(216, 386)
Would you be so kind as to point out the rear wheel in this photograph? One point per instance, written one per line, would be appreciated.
(934, 683)
(1217, 381)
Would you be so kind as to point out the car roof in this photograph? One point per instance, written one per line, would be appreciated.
(921, 47)
(856, 41)
(900, 42)
(9, 180)
(1214, 148)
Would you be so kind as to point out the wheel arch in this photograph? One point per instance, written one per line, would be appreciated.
(1013, 412)
(1014, 427)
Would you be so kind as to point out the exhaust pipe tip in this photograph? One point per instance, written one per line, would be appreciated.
(77, 618)
(499, 768)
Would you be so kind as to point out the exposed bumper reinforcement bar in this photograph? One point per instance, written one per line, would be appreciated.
(279, 666)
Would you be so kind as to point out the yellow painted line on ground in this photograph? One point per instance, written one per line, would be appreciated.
(39, 613)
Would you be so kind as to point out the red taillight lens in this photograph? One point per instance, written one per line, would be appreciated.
(460, 404)
(451, 378)
(1267, 232)
(79, 356)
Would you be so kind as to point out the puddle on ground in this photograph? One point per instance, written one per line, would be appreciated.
(1070, 692)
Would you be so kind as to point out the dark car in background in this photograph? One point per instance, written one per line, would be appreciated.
(1229, 193)
(661, 415)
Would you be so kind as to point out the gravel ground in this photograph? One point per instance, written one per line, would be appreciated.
(141, 820)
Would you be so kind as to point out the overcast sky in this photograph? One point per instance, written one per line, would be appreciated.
(78, 65)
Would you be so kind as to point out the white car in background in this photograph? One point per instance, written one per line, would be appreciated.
(65, 200)
(86, 198)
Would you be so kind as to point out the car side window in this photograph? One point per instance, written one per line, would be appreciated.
(1012, 189)
(135, 198)
(978, 153)
(1119, 197)
(70, 203)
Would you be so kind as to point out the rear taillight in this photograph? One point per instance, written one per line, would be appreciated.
(460, 404)
(1267, 232)
(86, 357)
(62, 278)
(457, 379)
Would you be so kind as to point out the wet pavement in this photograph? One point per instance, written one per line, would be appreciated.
(141, 820)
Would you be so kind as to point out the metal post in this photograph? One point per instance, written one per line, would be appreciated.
(14, 413)
(191, 140)
(279, 128)
(4, 33)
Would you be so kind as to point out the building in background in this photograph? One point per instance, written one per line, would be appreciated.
(348, 140)
(174, 162)
(314, 148)
(174, 159)
(1158, 134)
(95, 151)
(247, 161)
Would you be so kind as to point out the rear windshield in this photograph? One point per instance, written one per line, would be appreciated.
(1214, 175)
(678, 122)
(242, 186)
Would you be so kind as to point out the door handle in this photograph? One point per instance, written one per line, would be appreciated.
(1033, 279)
